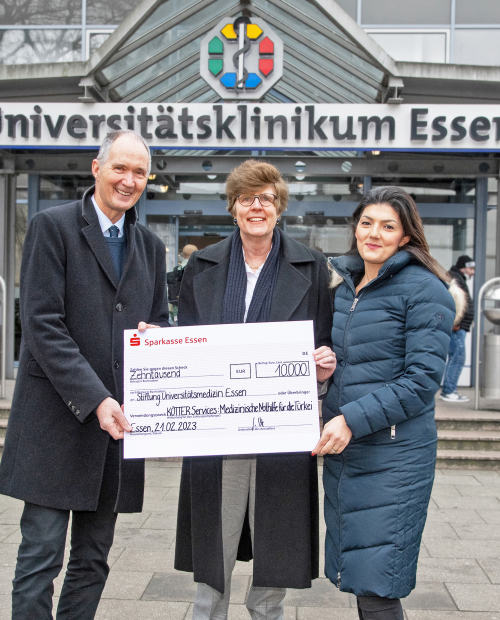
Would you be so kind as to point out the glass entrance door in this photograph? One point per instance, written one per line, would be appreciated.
(204, 230)
(330, 235)
(190, 209)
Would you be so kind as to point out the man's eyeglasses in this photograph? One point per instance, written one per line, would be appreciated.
(266, 200)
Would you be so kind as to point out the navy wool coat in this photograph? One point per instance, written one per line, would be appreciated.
(286, 541)
(391, 344)
(73, 313)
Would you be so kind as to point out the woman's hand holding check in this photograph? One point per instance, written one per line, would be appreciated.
(326, 362)
(336, 434)
(335, 437)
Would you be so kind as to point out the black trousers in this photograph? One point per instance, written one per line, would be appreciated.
(41, 554)
(378, 608)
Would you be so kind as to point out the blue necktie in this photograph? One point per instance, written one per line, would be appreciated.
(113, 231)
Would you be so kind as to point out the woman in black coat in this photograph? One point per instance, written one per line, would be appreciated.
(391, 328)
(258, 274)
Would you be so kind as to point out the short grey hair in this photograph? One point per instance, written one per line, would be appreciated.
(111, 137)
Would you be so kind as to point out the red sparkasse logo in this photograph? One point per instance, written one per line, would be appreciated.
(135, 341)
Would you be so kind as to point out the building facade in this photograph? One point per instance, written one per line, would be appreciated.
(363, 93)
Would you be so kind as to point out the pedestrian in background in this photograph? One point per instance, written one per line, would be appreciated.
(391, 330)
(262, 506)
(187, 250)
(89, 271)
(460, 272)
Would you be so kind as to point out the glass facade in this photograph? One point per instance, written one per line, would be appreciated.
(330, 235)
(475, 46)
(96, 39)
(108, 11)
(349, 6)
(191, 209)
(477, 12)
(66, 188)
(57, 30)
(41, 12)
(451, 31)
(34, 46)
(406, 12)
(442, 191)
(410, 46)
(407, 30)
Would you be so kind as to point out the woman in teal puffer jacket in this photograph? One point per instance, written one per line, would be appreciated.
(391, 328)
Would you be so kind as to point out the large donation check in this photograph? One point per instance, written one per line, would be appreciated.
(221, 389)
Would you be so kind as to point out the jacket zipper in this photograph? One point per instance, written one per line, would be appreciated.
(354, 304)
(340, 524)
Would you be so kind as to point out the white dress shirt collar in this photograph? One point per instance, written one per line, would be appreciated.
(105, 222)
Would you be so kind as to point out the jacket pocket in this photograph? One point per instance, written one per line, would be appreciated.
(34, 369)
(393, 427)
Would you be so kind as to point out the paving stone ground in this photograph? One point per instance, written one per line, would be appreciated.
(458, 569)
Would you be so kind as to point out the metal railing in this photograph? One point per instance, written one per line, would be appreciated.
(4, 335)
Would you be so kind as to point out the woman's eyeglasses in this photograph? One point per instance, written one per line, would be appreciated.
(266, 200)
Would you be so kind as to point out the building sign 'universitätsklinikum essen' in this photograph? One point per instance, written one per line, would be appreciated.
(237, 125)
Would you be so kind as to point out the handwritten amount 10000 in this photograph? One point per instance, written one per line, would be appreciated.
(292, 369)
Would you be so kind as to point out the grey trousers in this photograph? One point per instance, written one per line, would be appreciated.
(238, 491)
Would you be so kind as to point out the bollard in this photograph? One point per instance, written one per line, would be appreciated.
(490, 387)
(488, 369)
(4, 335)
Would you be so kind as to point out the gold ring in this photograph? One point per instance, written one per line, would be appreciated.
(333, 451)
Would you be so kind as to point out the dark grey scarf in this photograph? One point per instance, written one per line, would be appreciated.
(233, 310)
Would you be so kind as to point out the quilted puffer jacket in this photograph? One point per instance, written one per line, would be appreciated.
(391, 343)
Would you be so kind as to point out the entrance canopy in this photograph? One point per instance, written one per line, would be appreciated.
(154, 56)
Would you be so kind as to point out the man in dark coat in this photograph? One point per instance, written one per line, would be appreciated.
(460, 272)
(89, 271)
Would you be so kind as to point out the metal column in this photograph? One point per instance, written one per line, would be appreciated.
(176, 222)
(33, 195)
(141, 207)
(3, 357)
(480, 228)
(367, 184)
(497, 246)
(7, 259)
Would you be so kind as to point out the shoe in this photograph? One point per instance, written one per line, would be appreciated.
(454, 397)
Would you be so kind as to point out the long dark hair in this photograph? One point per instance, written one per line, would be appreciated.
(405, 207)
